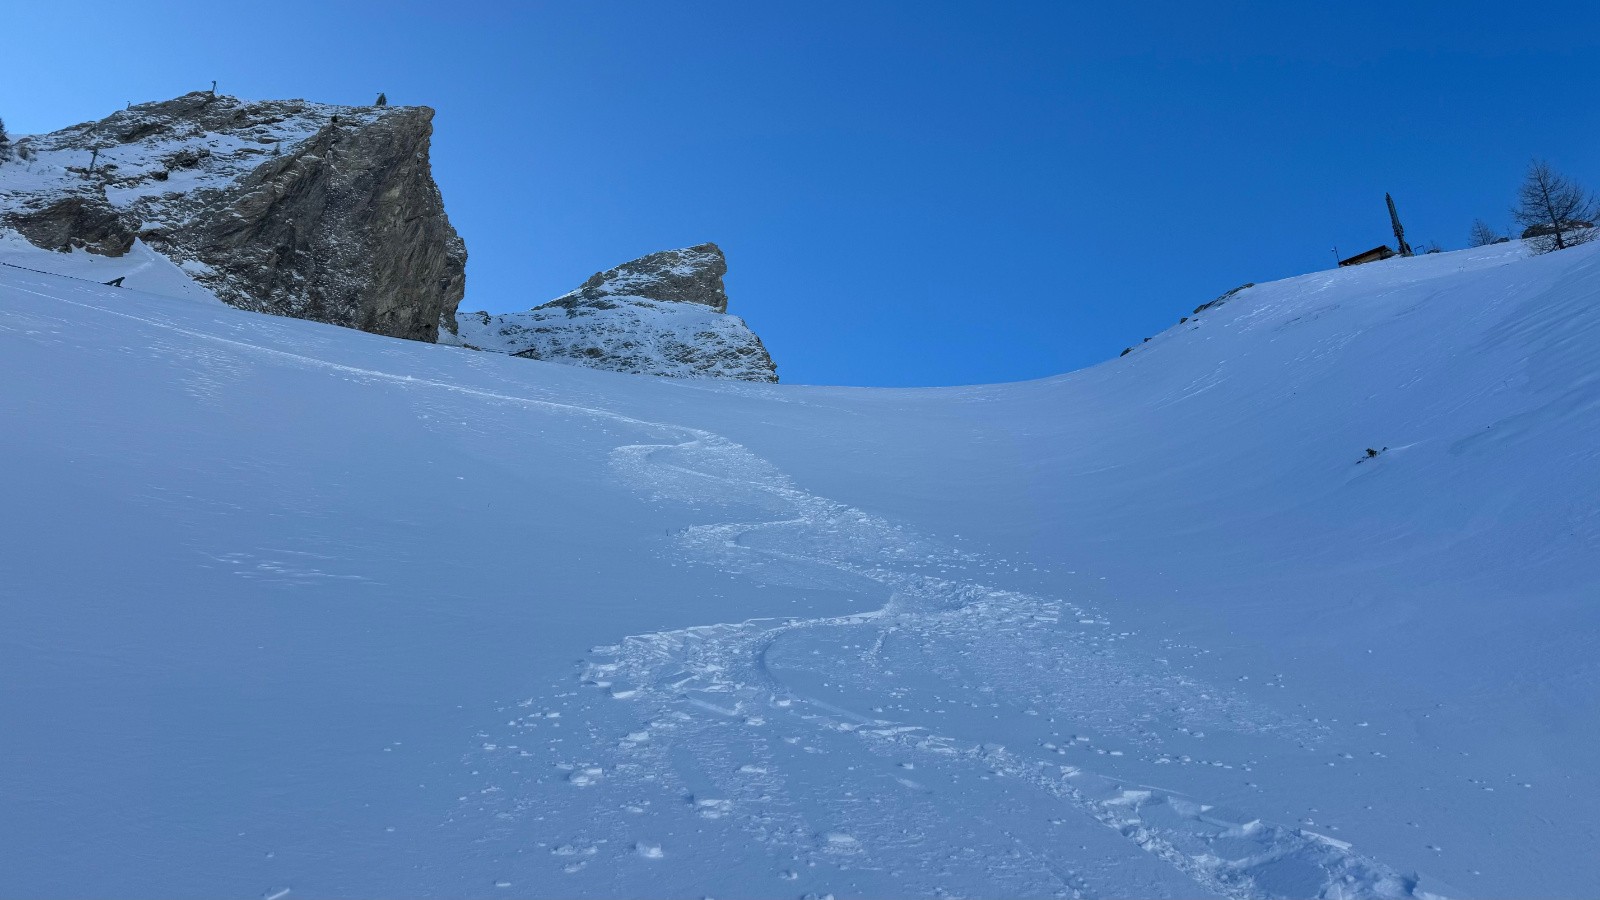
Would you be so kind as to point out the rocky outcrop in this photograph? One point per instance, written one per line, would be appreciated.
(76, 222)
(287, 207)
(331, 213)
(691, 275)
(1213, 304)
(663, 314)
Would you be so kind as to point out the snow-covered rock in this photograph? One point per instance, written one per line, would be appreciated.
(330, 213)
(662, 314)
(299, 209)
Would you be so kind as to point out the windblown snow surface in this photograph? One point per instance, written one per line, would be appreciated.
(288, 610)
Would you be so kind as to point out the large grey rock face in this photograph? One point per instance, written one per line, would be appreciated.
(663, 314)
(287, 207)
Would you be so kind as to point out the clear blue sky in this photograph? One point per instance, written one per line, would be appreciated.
(908, 193)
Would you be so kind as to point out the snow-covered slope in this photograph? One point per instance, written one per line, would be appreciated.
(663, 314)
(287, 607)
(150, 270)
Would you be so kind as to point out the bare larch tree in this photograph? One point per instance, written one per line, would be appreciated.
(1482, 234)
(1556, 213)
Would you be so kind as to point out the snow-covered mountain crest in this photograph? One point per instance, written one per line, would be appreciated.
(662, 314)
(288, 207)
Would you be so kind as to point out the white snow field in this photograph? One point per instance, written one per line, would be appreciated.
(293, 611)
(149, 269)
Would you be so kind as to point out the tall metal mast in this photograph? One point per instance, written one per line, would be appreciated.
(1399, 231)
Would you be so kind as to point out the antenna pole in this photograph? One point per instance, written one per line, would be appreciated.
(1399, 231)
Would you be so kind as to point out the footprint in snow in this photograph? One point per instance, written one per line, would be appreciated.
(586, 776)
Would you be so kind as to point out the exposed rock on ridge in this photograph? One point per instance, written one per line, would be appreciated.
(662, 314)
(299, 209)
(691, 275)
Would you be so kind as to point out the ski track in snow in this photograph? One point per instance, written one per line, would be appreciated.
(710, 699)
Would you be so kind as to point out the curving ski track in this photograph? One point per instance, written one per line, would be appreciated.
(754, 727)
(707, 703)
